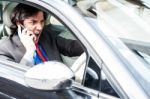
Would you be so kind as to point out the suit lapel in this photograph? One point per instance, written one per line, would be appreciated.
(43, 42)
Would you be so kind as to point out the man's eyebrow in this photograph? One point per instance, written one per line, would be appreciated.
(33, 20)
(37, 19)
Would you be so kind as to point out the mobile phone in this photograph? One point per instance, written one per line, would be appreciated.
(22, 27)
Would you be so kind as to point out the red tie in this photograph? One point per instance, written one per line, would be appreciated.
(40, 53)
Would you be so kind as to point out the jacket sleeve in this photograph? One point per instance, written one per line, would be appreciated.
(5, 56)
(4, 50)
(69, 47)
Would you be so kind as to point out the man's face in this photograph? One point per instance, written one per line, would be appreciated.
(35, 24)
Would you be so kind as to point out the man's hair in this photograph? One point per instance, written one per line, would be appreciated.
(21, 12)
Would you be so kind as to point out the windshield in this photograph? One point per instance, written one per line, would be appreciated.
(129, 21)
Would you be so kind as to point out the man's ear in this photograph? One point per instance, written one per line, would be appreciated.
(18, 23)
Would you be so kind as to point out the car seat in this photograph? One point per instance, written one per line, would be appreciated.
(5, 28)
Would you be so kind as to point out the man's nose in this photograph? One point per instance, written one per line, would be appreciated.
(39, 26)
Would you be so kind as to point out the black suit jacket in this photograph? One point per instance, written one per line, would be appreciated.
(12, 49)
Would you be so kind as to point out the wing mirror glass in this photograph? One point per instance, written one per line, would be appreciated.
(50, 75)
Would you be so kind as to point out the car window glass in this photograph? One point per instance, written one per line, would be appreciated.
(53, 20)
(55, 24)
(96, 79)
(126, 25)
(134, 30)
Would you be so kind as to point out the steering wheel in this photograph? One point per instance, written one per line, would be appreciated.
(78, 67)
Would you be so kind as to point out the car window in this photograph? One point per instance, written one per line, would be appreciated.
(95, 78)
(133, 30)
(54, 24)
(128, 22)
(142, 11)
(93, 72)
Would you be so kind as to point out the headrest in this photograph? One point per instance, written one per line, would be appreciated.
(7, 12)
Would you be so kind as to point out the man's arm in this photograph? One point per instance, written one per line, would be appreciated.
(69, 47)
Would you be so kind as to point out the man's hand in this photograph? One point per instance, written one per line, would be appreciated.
(27, 38)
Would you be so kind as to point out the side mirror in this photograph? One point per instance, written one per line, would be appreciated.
(50, 75)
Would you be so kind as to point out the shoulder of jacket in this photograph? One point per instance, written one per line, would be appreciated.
(4, 41)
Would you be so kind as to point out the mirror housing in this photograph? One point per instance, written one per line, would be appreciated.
(50, 75)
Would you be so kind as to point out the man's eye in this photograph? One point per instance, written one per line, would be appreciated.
(33, 22)
(42, 22)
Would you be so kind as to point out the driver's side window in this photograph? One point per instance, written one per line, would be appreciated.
(54, 25)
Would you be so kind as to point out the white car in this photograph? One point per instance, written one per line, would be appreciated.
(115, 62)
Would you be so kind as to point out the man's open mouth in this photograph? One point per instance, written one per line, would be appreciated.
(37, 35)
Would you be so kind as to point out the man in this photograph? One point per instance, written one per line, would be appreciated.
(30, 44)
